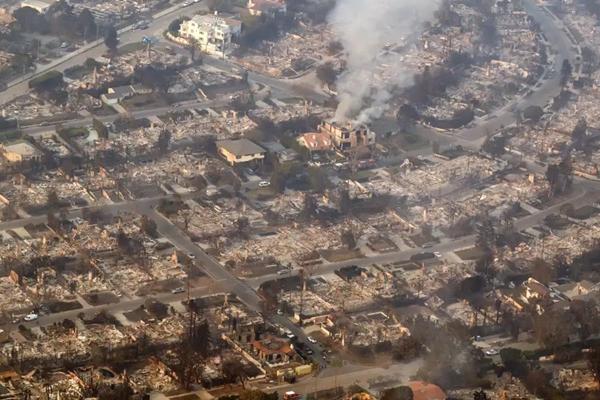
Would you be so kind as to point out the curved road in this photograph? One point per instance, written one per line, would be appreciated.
(469, 136)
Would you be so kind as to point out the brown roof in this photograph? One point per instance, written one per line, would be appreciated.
(426, 391)
(272, 345)
(317, 141)
(240, 147)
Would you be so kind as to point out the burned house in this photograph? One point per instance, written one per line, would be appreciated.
(348, 137)
(273, 350)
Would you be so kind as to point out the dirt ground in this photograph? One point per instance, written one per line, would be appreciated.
(341, 254)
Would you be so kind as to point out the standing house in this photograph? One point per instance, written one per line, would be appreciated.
(316, 141)
(348, 137)
(38, 5)
(273, 350)
(212, 33)
(240, 151)
(20, 151)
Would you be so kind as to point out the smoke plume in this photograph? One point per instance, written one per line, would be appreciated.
(368, 29)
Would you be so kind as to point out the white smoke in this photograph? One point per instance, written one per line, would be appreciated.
(366, 28)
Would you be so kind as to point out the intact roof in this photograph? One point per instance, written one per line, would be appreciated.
(426, 391)
(209, 20)
(316, 140)
(37, 3)
(240, 147)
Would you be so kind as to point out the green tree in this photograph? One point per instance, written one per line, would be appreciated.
(278, 179)
(495, 145)
(28, 19)
(486, 235)
(552, 328)
(222, 6)
(326, 73)
(586, 316)
(233, 371)
(348, 239)
(175, 25)
(309, 207)
(533, 113)
(566, 71)
(87, 24)
(579, 134)
(553, 176)
(111, 39)
(163, 141)
(100, 128)
(514, 361)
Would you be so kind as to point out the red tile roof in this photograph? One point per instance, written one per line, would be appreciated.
(426, 391)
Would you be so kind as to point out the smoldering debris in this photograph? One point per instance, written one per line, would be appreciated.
(367, 32)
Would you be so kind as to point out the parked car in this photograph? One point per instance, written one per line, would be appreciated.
(263, 184)
(178, 290)
(30, 317)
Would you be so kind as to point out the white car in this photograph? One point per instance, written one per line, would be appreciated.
(178, 290)
(30, 317)
(263, 184)
(312, 340)
(437, 254)
(491, 352)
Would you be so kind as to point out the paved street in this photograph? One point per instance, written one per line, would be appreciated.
(97, 48)
(364, 376)
(584, 192)
(578, 197)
